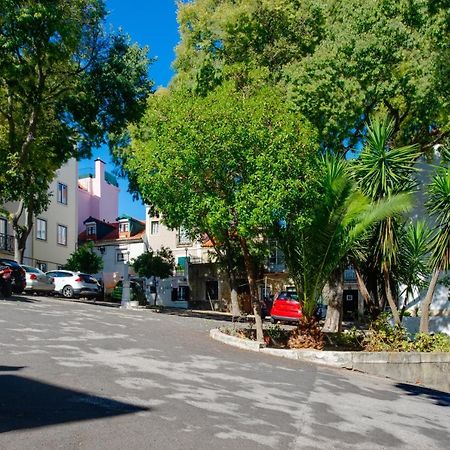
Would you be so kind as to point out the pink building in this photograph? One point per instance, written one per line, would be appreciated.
(98, 196)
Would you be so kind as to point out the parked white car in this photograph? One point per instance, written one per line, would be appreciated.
(37, 281)
(74, 284)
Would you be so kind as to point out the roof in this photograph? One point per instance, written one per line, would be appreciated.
(113, 234)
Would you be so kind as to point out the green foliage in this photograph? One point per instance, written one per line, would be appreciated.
(85, 260)
(348, 340)
(340, 61)
(154, 264)
(438, 206)
(276, 333)
(424, 342)
(383, 337)
(66, 85)
(340, 216)
(413, 269)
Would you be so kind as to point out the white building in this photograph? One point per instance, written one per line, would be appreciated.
(117, 243)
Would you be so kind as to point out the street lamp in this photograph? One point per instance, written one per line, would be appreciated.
(125, 303)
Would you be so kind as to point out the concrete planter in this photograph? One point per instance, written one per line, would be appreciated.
(428, 369)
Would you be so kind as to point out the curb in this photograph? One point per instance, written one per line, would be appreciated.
(426, 369)
(333, 359)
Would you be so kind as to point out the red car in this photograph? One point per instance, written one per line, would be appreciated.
(286, 307)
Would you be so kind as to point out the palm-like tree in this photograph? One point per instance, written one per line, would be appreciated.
(339, 218)
(383, 172)
(438, 206)
(413, 259)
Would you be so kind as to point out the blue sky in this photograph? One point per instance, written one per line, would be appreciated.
(150, 23)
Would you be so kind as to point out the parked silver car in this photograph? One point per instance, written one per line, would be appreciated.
(37, 281)
(74, 284)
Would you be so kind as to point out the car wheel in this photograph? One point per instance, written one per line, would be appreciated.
(272, 320)
(67, 291)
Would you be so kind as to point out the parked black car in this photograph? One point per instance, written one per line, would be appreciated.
(18, 279)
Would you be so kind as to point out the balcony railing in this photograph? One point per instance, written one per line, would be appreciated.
(6, 243)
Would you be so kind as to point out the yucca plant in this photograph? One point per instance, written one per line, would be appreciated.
(413, 267)
(438, 206)
(383, 172)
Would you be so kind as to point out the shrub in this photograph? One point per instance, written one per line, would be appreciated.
(438, 342)
(277, 335)
(348, 340)
(383, 337)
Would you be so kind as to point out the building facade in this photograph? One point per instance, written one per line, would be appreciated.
(55, 231)
(98, 195)
(118, 243)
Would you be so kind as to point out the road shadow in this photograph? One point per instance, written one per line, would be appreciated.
(439, 398)
(209, 315)
(18, 298)
(26, 403)
(11, 368)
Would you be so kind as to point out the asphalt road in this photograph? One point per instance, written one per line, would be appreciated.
(79, 376)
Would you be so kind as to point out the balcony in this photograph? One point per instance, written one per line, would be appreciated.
(6, 243)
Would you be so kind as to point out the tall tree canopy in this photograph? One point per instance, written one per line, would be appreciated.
(231, 164)
(66, 85)
(341, 61)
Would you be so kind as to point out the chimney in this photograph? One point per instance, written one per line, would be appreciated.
(99, 176)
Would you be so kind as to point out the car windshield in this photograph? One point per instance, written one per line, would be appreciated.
(31, 269)
(288, 296)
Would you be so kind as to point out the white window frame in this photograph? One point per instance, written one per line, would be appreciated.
(62, 194)
(63, 235)
(91, 229)
(4, 227)
(124, 227)
(154, 227)
(41, 228)
(183, 237)
(122, 256)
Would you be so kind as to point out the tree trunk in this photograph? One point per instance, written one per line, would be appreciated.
(250, 269)
(425, 316)
(372, 288)
(235, 309)
(333, 291)
(390, 297)
(21, 232)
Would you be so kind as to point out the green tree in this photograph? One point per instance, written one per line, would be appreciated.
(340, 61)
(438, 206)
(158, 264)
(228, 165)
(383, 172)
(413, 268)
(84, 259)
(66, 86)
(338, 219)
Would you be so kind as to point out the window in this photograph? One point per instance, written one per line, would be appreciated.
(3, 226)
(3, 237)
(62, 193)
(41, 229)
(122, 255)
(62, 235)
(91, 230)
(183, 237)
(154, 227)
(124, 227)
(42, 266)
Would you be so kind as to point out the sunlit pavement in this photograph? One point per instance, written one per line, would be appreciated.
(82, 376)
